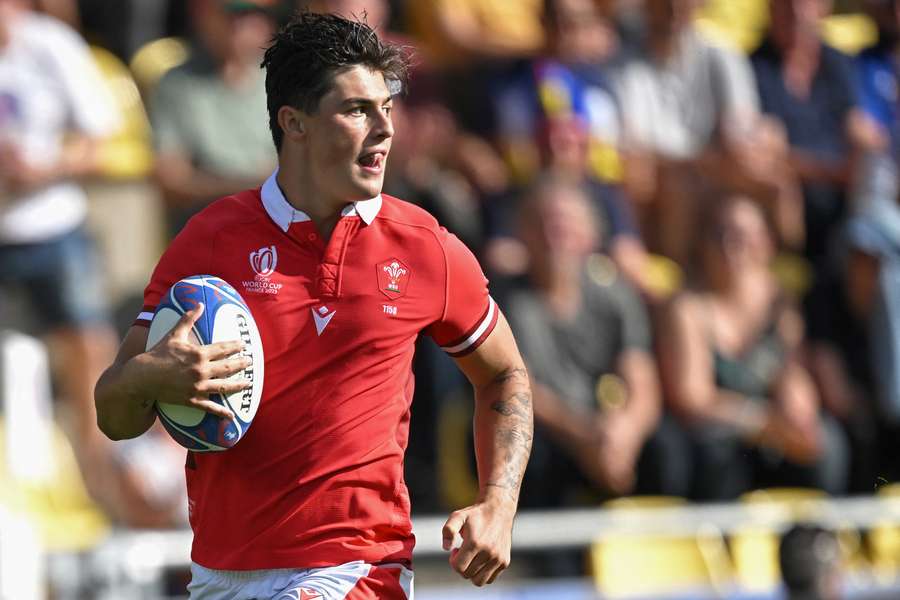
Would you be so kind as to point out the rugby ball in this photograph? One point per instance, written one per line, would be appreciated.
(226, 317)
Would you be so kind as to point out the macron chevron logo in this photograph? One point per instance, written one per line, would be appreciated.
(322, 317)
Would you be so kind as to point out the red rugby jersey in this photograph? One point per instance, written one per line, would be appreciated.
(318, 479)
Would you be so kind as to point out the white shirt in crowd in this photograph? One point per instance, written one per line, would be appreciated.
(49, 86)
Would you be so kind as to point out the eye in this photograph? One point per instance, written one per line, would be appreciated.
(357, 111)
(387, 109)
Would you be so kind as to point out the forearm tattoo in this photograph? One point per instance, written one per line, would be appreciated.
(514, 430)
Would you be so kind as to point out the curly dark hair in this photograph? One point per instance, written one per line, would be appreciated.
(307, 53)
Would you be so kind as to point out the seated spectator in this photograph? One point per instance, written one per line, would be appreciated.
(811, 88)
(692, 127)
(874, 231)
(563, 150)
(873, 290)
(810, 561)
(568, 79)
(728, 358)
(209, 114)
(586, 339)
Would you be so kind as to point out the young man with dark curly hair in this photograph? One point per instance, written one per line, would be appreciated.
(312, 503)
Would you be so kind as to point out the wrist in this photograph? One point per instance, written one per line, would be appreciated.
(136, 376)
(499, 497)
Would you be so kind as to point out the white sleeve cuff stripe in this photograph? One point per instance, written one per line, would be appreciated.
(145, 316)
(479, 331)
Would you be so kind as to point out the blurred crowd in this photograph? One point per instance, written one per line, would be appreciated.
(688, 211)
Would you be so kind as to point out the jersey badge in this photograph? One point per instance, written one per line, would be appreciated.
(263, 262)
(393, 277)
(322, 317)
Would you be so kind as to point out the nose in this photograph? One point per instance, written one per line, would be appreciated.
(383, 127)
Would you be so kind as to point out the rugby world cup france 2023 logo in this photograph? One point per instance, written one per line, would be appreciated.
(263, 263)
(264, 260)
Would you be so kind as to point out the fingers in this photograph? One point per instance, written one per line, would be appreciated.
(462, 559)
(452, 528)
(221, 350)
(478, 562)
(480, 565)
(211, 407)
(493, 576)
(225, 387)
(186, 322)
(222, 369)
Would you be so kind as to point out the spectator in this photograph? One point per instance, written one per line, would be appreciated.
(586, 339)
(558, 112)
(51, 120)
(563, 147)
(568, 79)
(873, 290)
(810, 560)
(692, 125)
(728, 358)
(873, 236)
(811, 88)
(209, 115)
(54, 108)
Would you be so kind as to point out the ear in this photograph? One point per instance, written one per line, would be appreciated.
(292, 123)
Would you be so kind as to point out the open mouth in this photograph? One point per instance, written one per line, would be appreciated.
(373, 161)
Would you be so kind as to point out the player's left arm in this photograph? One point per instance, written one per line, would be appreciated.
(503, 434)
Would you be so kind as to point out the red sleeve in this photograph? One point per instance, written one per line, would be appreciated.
(190, 253)
(469, 314)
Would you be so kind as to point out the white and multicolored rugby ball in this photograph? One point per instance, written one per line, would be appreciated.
(226, 317)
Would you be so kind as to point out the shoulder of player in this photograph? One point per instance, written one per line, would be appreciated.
(235, 210)
(400, 213)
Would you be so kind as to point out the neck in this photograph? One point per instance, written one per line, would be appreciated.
(324, 211)
(664, 44)
(236, 72)
(741, 284)
(799, 43)
(559, 284)
(662, 47)
(555, 277)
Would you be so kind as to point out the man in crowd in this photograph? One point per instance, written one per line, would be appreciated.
(208, 113)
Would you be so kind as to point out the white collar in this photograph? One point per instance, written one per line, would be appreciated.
(281, 211)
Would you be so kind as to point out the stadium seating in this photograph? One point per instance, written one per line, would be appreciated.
(754, 549)
(884, 540)
(643, 565)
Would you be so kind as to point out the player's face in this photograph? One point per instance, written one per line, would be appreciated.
(349, 137)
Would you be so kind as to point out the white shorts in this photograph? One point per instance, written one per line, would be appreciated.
(351, 581)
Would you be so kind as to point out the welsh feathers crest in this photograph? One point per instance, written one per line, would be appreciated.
(393, 277)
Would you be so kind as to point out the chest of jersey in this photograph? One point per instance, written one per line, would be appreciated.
(351, 307)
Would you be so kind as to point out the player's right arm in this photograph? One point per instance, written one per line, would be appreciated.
(175, 371)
